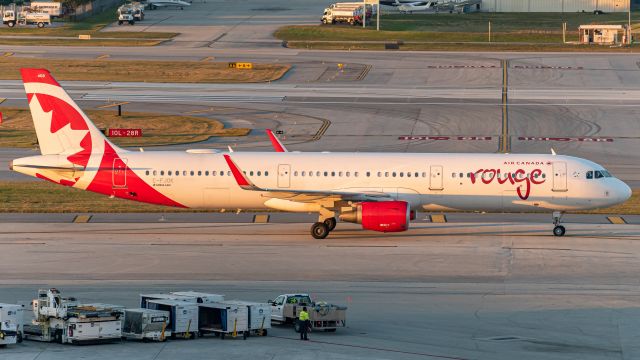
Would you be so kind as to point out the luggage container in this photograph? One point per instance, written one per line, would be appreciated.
(146, 324)
(223, 319)
(11, 322)
(200, 297)
(144, 298)
(259, 315)
(183, 316)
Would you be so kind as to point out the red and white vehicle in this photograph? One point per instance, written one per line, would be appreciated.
(381, 191)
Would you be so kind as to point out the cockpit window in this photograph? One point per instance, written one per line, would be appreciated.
(597, 174)
(589, 175)
(605, 173)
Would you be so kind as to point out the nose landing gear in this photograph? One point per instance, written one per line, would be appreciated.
(558, 230)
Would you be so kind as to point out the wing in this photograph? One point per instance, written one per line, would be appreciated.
(277, 145)
(302, 195)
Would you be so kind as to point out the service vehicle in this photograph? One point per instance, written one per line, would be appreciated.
(11, 322)
(286, 308)
(350, 15)
(64, 321)
(223, 319)
(125, 15)
(146, 324)
(12, 18)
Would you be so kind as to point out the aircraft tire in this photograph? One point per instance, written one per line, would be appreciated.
(559, 230)
(319, 230)
(331, 223)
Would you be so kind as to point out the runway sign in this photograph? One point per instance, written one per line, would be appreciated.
(125, 133)
(427, 137)
(564, 139)
(240, 65)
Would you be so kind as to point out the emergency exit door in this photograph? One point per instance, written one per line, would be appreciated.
(284, 175)
(435, 178)
(559, 176)
(119, 173)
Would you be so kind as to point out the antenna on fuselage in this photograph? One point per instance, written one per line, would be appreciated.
(553, 152)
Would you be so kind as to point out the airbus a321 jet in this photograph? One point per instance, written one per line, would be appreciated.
(381, 191)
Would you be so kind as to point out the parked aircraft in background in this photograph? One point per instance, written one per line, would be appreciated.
(168, 3)
(416, 6)
(381, 191)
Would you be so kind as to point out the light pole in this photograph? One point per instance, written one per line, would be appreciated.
(629, 25)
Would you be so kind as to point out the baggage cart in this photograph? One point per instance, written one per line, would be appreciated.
(183, 316)
(11, 324)
(146, 324)
(223, 320)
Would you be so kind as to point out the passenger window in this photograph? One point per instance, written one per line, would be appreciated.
(326, 173)
(453, 175)
(266, 173)
(206, 173)
(379, 174)
(589, 175)
(424, 174)
(169, 173)
(347, 174)
(393, 174)
(228, 173)
(355, 174)
(259, 173)
(340, 174)
(295, 173)
(177, 172)
(199, 172)
(461, 175)
(386, 174)
(333, 173)
(147, 172)
(415, 174)
(409, 174)
(155, 173)
(318, 173)
(368, 174)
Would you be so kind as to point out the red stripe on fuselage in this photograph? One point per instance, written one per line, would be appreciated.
(136, 189)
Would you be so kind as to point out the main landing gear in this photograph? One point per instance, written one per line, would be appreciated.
(321, 230)
(558, 230)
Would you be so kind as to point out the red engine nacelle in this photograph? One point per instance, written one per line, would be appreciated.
(384, 216)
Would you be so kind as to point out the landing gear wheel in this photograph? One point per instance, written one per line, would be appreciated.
(331, 223)
(559, 230)
(319, 230)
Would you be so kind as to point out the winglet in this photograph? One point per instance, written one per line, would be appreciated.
(240, 177)
(277, 145)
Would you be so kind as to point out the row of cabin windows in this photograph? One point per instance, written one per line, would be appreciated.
(356, 174)
(590, 174)
(200, 173)
(503, 175)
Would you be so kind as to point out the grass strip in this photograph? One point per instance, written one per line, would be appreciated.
(157, 129)
(143, 71)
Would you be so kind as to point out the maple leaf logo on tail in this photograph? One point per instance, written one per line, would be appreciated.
(61, 126)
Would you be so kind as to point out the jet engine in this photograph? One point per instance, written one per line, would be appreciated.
(383, 216)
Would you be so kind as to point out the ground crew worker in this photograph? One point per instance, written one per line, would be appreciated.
(303, 322)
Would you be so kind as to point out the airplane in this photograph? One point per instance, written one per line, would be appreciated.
(167, 3)
(380, 191)
(398, 2)
(416, 6)
(275, 142)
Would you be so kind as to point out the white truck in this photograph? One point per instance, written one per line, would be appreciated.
(53, 8)
(64, 321)
(125, 15)
(12, 18)
(11, 318)
(286, 308)
(347, 14)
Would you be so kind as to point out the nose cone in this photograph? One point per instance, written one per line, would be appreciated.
(624, 192)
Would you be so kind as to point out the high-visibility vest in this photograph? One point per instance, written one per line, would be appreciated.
(304, 316)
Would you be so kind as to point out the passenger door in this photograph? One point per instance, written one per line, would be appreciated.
(119, 172)
(277, 308)
(284, 175)
(559, 176)
(435, 179)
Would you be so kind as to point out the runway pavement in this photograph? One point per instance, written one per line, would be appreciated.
(461, 291)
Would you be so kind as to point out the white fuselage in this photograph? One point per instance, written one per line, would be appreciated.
(425, 181)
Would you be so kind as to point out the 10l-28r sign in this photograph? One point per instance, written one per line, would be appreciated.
(125, 132)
